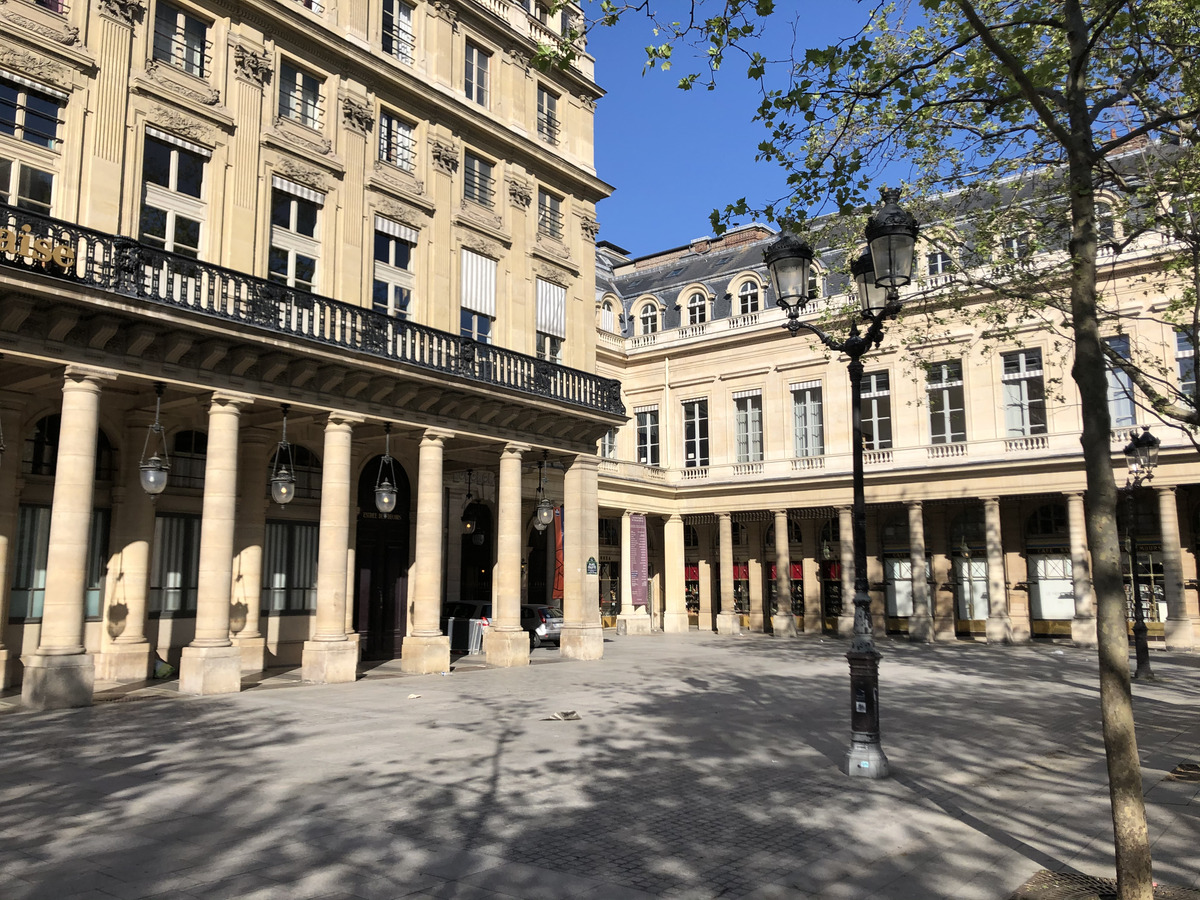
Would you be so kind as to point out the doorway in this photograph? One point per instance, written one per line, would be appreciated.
(381, 566)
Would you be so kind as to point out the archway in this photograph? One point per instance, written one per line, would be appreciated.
(475, 568)
(381, 566)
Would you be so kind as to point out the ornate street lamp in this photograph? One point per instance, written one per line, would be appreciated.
(880, 272)
(283, 479)
(154, 468)
(468, 520)
(385, 481)
(545, 509)
(1141, 456)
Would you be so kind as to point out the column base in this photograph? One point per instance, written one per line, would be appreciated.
(254, 653)
(1180, 633)
(729, 623)
(1083, 631)
(582, 642)
(943, 629)
(210, 670)
(784, 625)
(425, 655)
(999, 630)
(506, 649)
(676, 623)
(124, 662)
(58, 682)
(865, 760)
(4, 678)
(329, 662)
(920, 629)
(634, 623)
(845, 624)
(757, 624)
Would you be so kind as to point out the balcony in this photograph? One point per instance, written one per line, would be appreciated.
(90, 259)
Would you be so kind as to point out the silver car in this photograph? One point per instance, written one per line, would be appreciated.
(544, 623)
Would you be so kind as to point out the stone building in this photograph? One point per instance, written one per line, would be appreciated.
(241, 237)
(730, 486)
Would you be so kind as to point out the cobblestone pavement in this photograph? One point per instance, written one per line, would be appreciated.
(700, 767)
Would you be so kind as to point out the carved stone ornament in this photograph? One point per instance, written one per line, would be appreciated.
(285, 130)
(519, 193)
(446, 10)
(35, 66)
(160, 75)
(589, 103)
(398, 179)
(127, 12)
(399, 213)
(358, 115)
(66, 34)
(552, 274)
(251, 66)
(591, 228)
(482, 245)
(294, 171)
(182, 125)
(553, 246)
(445, 157)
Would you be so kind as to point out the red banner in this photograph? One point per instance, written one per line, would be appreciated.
(691, 573)
(741, 571)
(558, 555)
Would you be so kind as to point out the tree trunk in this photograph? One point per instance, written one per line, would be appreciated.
(1132, 842)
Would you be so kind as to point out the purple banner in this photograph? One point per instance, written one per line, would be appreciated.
(638, 560)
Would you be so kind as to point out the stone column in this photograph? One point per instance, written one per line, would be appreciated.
(1083, 626)
(999, 627)
(1016, 567)
(1180, 627)
(425, 649)
(814, 613)
(755, 582)
(707, 623)
(582, 634)
(211, 664)
(941, 579)
(675, 619)
(506, 643)
(127, 654)
(12, 421)
(60, 674)
(728, 621)
(783, 623)
(329, 658)
(920, 626)
(845, 625)
(249, 534)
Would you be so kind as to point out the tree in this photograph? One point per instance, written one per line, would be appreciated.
(972, 95)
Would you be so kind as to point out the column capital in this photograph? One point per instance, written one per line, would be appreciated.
(514, 448)
(230, 399)
(1165, 488)
(1075, 494)
(339, 419)
(779, 512)
(585, 461)
(914, 504)
(436, 435)
(672, 517)
(724, 515)
(628, 514)
(89, 375)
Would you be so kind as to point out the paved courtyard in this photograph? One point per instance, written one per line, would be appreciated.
(699, 767)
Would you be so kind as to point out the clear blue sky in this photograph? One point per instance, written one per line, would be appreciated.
(674, 156)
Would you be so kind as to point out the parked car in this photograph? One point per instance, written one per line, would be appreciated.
(544, 623)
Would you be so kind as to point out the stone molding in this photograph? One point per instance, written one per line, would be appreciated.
(252, 66)
(127, 12)
(358, 115)
(445, 156)
(184, 126)
(65, 34)
(519, 193)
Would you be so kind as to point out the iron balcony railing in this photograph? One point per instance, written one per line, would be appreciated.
(51, 247)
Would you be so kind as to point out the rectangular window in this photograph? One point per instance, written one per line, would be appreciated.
(299, 96)
(547, 115)
(289, 567)
(749, 427)
(807, 430)
(172, 191)
(1015, 246)
(550, 217)
(28, 592)
(876, 411)
(1121, 408)
(1024, 393)
(180, 40)
(174, 564)
(478, 314)
(551, 320)
(695, 434)
(398, 30)
(479, 183)
(394, 281)
(292, 259)
(1185, 360)
(647, 436)
(944, 389)
(29, 115)
(26, 187)
(475, 81)
(549, 347)
(608, 444)
(396, 143)
(939, 263)
(476, 326)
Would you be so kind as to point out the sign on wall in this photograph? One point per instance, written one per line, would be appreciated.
(639, 562)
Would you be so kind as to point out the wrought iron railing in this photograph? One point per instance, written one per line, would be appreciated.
(52, 247)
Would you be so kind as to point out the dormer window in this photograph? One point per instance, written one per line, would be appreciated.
(697, 308)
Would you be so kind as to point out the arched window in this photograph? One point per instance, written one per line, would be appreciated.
(697, 308)
(307, 470)
(649, 318)
(748, 298)
(188, 453)
(816, 283)
(40, 454)
(1106, 223)
(691, 538)
(608, 319)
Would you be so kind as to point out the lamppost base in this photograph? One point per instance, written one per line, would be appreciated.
(866, 760)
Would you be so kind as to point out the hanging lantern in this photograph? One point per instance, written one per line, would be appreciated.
(283, 481)
(385, 481)
(155, 462)
(468, 521)
(545, 509)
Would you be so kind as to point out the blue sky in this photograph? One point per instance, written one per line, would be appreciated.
(674, 156)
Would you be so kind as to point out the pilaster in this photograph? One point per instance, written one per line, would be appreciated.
(675, 619)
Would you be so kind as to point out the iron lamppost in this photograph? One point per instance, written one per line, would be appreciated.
(1141, 456)
(880, 272)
